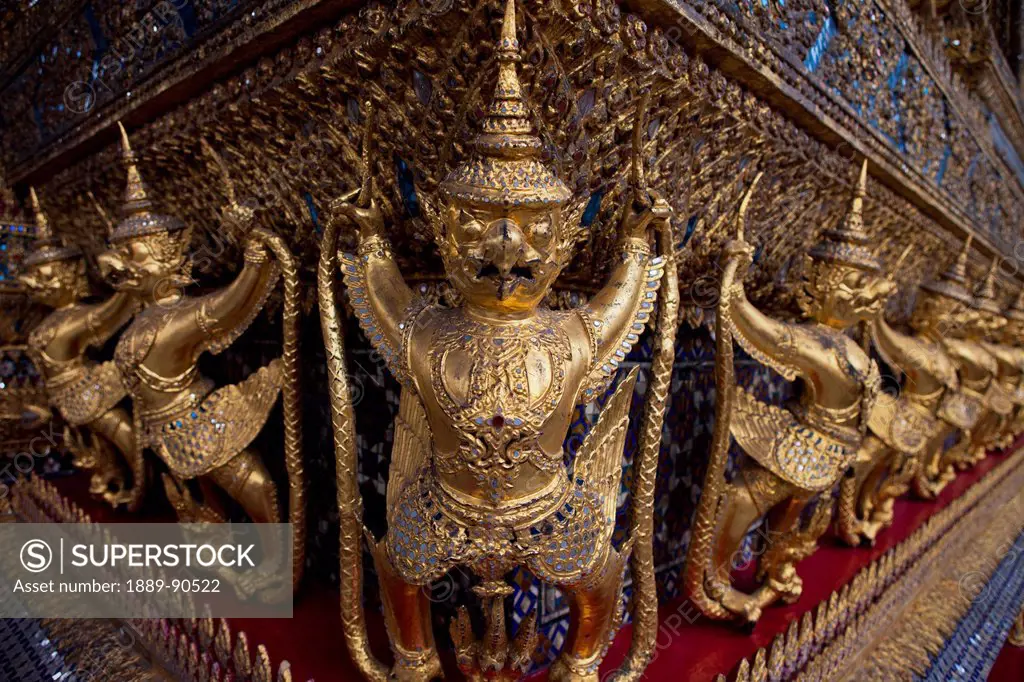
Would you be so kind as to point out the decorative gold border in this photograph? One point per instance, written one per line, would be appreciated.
(897, 612)
(190, 649)
(893, 617)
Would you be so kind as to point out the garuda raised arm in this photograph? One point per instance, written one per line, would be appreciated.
(478, 478)
(795, 453)
(201, 431)
(85, 393)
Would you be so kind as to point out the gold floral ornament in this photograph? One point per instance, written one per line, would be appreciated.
(478, 479)
(793, 453)
(86, 393)
(201, 431)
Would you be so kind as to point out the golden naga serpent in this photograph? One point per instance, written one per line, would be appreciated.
(290, 397)
(350, 502)
(645, 465)
(699, 570)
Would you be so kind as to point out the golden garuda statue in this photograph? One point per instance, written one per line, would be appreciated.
(86, 393)
(950, 317)
(1012, 338)
(793, 453)
(1002, 397)
(198, 430)
(478, 476)
(904, 429)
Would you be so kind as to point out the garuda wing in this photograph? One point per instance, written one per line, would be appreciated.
(599, 460)
(901, 424)
(808, 458)
(411, 447)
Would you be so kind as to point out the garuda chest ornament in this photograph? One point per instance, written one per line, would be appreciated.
(479, 480)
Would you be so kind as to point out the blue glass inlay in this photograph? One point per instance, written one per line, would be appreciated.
(817, 51)
(313, 213)
(971, 651)
(691, 225)
(947, 152)
(593, 208)
(407, 187)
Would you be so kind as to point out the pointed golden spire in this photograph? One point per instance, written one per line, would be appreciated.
(953, 282)
(988, 286)
(504, 167)
(48, 246)
(43, 231)
(136, 195)
(137, 215)
(847, 242)
(958, 271)
(855, 218)
(985, 294)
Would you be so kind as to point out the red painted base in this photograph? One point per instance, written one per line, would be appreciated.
(1009, 666)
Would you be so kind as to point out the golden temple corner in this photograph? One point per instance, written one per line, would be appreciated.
(579, 340)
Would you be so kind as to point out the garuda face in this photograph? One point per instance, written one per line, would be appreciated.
(841, 295)
(503, 260)
(152, 265)
(56, 283)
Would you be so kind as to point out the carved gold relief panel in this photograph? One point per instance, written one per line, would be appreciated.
(290, 128)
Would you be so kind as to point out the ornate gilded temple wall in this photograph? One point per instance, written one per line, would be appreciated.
(801, 90)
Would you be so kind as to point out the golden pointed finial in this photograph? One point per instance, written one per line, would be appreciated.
(985, 294)
(504, 168)
(126, 145)
(854, 223)
(958, 271)
(137, 215)
(104, 216)
(43, 231)
(48, 247)
(508, 26)
(136, 196)
(741, 218)
(847, 242)
(953, 282)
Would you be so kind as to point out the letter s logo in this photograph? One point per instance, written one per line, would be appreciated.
(36, 556)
